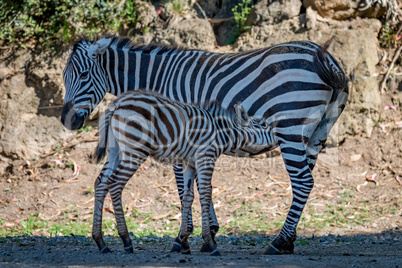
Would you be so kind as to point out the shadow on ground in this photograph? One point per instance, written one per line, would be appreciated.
(361, 250)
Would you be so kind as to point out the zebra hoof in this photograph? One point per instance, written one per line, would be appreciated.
(129, 249)
(105, 250)
(204, 248)
(186, 252)
(176, 247)
(271, 250)
(215, 253)
(281, 246)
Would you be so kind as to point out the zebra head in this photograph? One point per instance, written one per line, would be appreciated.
(85, 82)
(246, 121)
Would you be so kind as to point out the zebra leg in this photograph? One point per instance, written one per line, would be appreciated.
(214, 225)
(101, 190)
(178, 172)
(323, 129)
(116, 182)
(302, 183)
(188, 197)
(300, 168)
(205, 168)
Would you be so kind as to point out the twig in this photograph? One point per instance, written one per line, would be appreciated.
(4, 75)
(121, 4)
(400, 29)
(69, 146)
(50, 107)
(15, 17)
(206, 18)
(391, 66)
(202, 10)
(218, 21)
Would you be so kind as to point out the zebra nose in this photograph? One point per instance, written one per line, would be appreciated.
(70, 118)
(67, 107)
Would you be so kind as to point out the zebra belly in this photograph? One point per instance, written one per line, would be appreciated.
(251, 151)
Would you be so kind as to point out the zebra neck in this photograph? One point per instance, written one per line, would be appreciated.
(125, 70)
(132, 69)
(246, 137)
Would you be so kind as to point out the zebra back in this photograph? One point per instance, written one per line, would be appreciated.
(226, 123)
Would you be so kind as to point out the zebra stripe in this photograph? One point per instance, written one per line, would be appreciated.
(298, 86)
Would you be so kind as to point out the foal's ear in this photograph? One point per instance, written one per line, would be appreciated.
(242, 115)
(99, 47)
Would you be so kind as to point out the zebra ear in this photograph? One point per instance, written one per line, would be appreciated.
(99, 47)
(242, 115)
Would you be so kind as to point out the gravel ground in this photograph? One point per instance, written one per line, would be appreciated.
(379, 250)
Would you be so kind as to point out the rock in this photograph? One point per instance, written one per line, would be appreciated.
(102, 107)
(354, 46)
(146, 16)
(29, 120)
(192, 33)
(220, 9)
(311, 18)
(355, 157)
(269, 12)
(345, 9)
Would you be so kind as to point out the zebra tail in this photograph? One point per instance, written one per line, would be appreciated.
(331, 74)
(100, 150)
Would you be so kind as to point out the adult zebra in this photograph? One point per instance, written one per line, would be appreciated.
(298, 86)
(139, 124)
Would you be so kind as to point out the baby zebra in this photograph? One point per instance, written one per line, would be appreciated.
(139, 124)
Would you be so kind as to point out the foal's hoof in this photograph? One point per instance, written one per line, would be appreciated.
(186, 252)
(176, 247)
(129, 249)
(105, 250)
(281, 246)
(215, 253)
(271, 250)
(204, 247)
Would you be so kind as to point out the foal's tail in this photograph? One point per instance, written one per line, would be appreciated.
(100, 151)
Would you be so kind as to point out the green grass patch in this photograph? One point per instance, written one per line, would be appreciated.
(338, 215)
(251, 219)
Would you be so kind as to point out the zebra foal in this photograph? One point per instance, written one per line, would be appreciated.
(139, 124)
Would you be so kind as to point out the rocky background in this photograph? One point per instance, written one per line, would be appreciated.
(31, 85)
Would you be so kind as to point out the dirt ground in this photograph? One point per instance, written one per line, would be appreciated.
(353, 216)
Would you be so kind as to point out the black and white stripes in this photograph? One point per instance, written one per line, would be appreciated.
(297, 86)
(139, 124)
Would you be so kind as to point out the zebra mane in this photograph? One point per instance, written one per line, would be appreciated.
(216, 109)
(125, 42)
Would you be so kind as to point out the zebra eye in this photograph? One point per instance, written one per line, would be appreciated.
(84, 75)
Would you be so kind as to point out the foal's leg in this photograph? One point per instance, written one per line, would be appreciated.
(178, 173)
(116, 182)
(101, 191)
(213, 222)
(188, 197)
(205, 168)
(214, 225)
